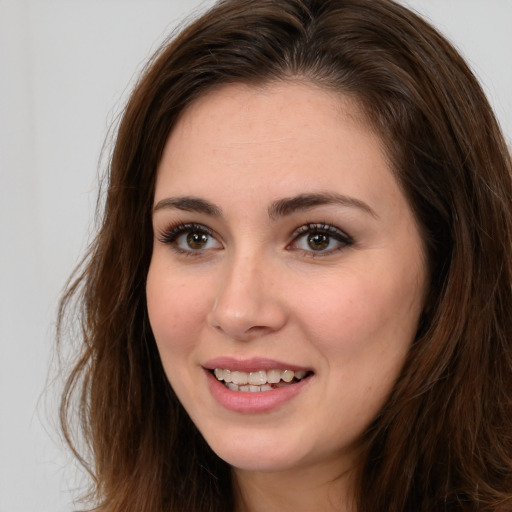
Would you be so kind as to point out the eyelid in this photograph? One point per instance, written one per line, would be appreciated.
(322, 227)
(169, 234)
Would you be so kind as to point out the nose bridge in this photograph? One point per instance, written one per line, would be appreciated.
(247, 303)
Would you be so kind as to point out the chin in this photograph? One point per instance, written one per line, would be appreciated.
(257, 462)
(259, 451)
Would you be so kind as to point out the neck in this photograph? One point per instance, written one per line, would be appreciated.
(297, 490)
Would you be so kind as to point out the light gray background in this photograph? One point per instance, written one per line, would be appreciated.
(65, 69)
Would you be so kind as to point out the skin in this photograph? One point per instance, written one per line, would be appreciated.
(255, 287)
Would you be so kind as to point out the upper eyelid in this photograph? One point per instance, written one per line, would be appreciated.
(175, 230)
(323, 227)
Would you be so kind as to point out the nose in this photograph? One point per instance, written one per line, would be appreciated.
(249, 300)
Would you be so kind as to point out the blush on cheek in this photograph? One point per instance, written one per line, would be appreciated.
(168, 330)
(339, 314)
(175, 321)
(341, 326)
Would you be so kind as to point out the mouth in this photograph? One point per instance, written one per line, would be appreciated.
(260, 380)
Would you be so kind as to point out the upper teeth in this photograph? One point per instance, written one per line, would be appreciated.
(258, 378)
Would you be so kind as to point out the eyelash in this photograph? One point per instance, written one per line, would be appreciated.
(172, 233)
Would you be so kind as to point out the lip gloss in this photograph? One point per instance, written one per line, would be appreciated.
(252, 364)
(253, 402)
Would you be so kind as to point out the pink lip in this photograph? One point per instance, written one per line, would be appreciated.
(251, 365)
(253, 403)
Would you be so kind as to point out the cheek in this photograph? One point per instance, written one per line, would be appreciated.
(362, 317)
(363, 329)
(176, 311)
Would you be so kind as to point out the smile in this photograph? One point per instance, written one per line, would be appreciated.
(258, 381)
(256, 385)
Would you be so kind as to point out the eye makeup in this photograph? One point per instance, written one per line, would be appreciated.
(319, 239)
(312, 239)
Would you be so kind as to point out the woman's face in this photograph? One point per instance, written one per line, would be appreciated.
(286, 263)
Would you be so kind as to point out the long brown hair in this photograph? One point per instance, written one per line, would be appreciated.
(443, 441)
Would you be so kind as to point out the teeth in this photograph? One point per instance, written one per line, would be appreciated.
(273, 376)
(253, 382)
(239, 378)
(258, 378)
(287, 375)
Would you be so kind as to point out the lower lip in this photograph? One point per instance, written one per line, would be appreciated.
(252, 403)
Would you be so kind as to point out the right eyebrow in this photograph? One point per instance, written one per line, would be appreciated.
(189, 204)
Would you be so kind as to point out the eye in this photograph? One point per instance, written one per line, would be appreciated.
(320, 238)
(190, 238)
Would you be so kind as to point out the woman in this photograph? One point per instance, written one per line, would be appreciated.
(300, 294)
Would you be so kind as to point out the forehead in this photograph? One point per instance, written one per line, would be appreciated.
(259, 113)
(283, 138)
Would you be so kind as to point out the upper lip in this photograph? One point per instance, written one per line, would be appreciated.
(251, 364)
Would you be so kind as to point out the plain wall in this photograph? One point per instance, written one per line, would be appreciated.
(65, 69)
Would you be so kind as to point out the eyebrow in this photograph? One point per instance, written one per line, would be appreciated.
(189, 204)
(305, 202)
(279, 208)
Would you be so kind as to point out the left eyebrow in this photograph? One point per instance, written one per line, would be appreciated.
(302, 202)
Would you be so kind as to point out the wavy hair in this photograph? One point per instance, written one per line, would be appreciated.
(443, 440)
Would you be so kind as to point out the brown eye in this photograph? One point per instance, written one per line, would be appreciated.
(190, 238)
(197, 240)
(318, 241)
